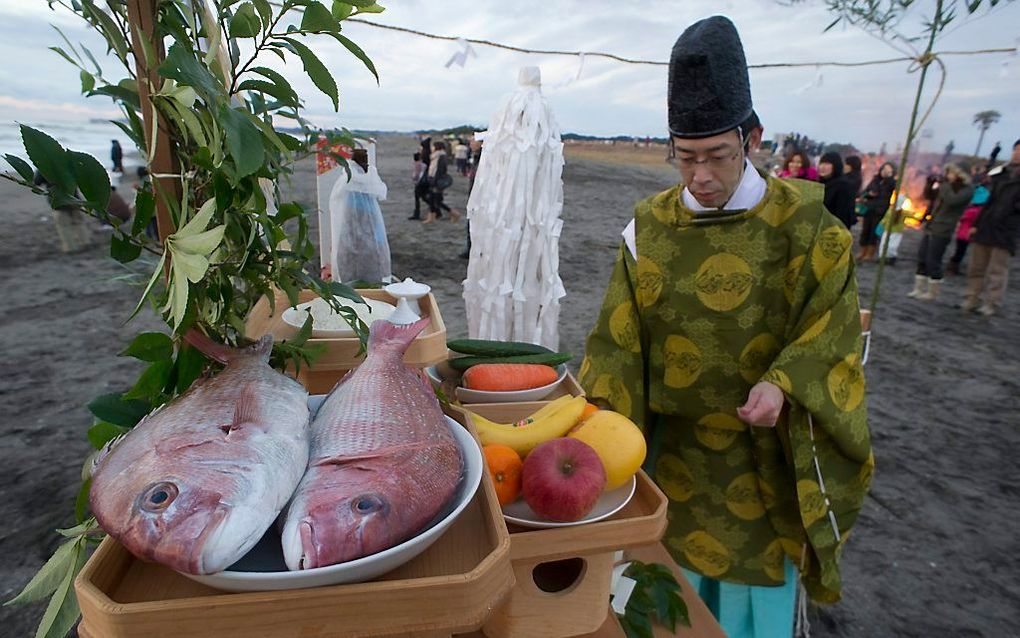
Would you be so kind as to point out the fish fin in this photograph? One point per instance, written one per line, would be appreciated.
(390, 336)
(246, 410)
(95, 459)
(262, 348)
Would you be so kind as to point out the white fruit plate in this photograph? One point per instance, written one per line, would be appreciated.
(263, 568)
(611, 502)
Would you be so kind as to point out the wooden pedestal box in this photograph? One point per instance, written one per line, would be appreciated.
(452, 587)
(342, 353)
(563, 574)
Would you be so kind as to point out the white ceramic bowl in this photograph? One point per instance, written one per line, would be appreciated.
(465, 395)
(370, 311)
(263, 568)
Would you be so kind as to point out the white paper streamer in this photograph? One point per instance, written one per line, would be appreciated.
(461, 56)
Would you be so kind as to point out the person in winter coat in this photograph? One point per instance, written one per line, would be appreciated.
(994, 238)
(953, 196)
(839, 192)
(877, 197)
(970, 215)
(439, 180)
(799, 166)
(852, 173)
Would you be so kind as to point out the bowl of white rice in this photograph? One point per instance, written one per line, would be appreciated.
(327, 324)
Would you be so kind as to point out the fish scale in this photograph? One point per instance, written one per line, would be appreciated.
(383, 461)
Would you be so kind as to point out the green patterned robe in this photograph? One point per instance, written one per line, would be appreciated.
(715, 303)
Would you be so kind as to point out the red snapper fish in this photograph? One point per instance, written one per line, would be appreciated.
(197, 482)
(383, 462)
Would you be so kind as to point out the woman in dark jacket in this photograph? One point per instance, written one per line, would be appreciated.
(953, 196)
(852, 173)
(439, 180)
(877, 197)
(839, 193)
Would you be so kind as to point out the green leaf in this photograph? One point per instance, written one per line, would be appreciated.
(190, 365)
(150, 346)
(192, 267)
(244, 141)
(93, 180)
(149, 286)
(265, 11)
(288, 211)
(110, 407)
(337, 289)
(181, 65)
(152, 381)
(114, 36)
(81, 502)
(124, 250)
(63, 54)
(177, 295)
(47, 579)
(102, 433)
(316, 71)
(145, 208)
(342, 10)
(23, 168)
(261, 86)
(63, 611)
(358, 53)
(199, 222)
(372, 8)
(88, 82)
(124, 94)
(361, 4)
(201, 244)
(245, 23)
(50, 158)
(317, 18)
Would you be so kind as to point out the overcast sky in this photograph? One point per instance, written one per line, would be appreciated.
(866, 106)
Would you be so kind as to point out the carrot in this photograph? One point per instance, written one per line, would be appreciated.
(507, 377)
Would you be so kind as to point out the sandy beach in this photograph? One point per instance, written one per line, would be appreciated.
(935, 552)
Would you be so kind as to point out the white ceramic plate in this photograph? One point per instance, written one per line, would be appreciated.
(263, 568)
(370, 311)
(464, 395)
(519, 513)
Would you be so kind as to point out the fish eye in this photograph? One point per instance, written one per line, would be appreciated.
(367, 504)
(159, 496)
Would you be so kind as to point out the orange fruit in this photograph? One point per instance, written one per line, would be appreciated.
(589, 409)
(504, 465)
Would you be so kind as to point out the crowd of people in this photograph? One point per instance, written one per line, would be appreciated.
(977, 205)
(431, 176)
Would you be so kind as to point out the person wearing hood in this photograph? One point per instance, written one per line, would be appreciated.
(952, 198)
(730, 334)
(840, 195)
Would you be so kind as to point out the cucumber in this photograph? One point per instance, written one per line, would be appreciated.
(551, 359)
(487, 348)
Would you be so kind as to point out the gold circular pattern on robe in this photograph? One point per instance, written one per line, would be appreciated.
(757, 356)
(674, 477)
(816, 328)
(613, 389)
(718, 431)
(846, 383)
(723, 282)
(683, 361)
(792, 277)
(743, 499)
(768, 495)
(649, 281)
(828, 250)
(585, 367)
(812, 504)
(624, 328)
(780, 380)
(773, 559)
(707, 555)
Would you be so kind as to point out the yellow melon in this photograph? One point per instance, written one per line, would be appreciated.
(619, 443)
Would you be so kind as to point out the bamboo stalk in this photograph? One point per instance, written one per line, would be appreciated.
(926, 59)
(142, 22)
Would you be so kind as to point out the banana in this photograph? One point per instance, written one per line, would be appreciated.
(552, 421)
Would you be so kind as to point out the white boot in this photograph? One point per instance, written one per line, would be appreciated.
(920, 287)
(933, 290)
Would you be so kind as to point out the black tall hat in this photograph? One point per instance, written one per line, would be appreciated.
(709, 92)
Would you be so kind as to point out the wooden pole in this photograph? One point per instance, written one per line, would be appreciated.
(142, 22)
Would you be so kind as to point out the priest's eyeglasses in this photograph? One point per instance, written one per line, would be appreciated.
(714, 162)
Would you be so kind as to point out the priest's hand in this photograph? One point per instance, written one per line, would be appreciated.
(764, 403)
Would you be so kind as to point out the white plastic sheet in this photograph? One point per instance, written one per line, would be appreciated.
(358, 247)
(513, 287)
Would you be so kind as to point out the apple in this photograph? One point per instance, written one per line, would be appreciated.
(562, 479)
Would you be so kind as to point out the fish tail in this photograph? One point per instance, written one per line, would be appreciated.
(225, 354)
(396, 338)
